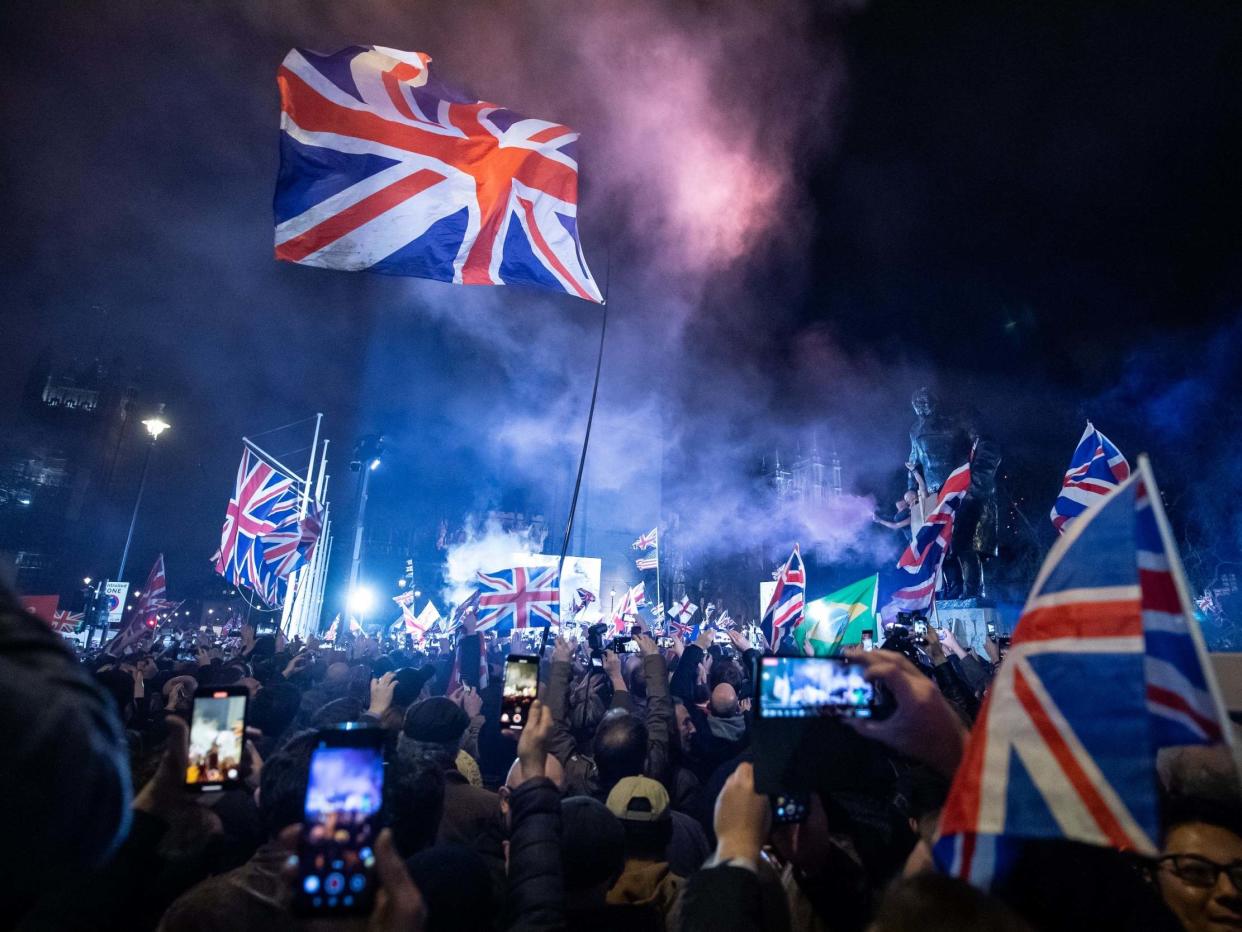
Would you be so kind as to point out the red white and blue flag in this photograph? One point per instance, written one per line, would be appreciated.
(788, 599)
(1106, 667)
(264, 539)
(384, 169)
(1096, 467)
(647, 563)
(520, 597)
(151, 602)
(911, 586)
(680, 618)
(634, 597)
(648, 540)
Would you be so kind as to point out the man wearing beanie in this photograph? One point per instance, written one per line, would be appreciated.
(642, 805)
(433, 732)
(593, 858)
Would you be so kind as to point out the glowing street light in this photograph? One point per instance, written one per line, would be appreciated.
(360, 600)
(155, 426)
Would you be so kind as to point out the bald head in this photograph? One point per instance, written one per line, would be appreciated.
(724, 701)
(552, 770)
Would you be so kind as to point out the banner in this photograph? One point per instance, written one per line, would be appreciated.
(114, 599)
(42, 605)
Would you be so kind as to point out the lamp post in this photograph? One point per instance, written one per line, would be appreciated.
(365, 461)
(155, 426)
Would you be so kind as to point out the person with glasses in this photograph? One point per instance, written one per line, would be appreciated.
(1199, 871)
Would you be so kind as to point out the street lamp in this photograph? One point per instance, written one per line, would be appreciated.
(366, 460)
(155, 426)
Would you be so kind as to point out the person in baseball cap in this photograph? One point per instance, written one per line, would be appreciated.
(642, 805)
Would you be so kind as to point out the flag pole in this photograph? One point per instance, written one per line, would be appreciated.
(659, 600)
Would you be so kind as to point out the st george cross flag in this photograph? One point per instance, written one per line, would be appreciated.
(263, 539)
(911, 586)
(648, 540)
(784, 610)
(519, 597)
(683, 609)
(384, 169)
(630, 602)
(1107, 666)
(1095, 468)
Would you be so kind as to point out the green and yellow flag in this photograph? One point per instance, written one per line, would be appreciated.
(839, 619)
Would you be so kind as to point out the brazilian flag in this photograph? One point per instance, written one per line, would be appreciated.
(838, 620)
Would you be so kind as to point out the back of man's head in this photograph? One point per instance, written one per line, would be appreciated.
(592, 846)
(274, 708)
(724, 701)
(282, 783)
(414, 798)
(620, 747)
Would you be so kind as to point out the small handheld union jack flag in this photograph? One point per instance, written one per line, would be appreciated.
(1107, 667)
(1096, 467)
(784, 609)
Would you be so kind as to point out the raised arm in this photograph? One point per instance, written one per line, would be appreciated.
(660, 723)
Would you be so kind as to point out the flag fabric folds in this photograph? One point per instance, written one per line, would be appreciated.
(1106, 667)
(784, 610)
(648, 540)
(911, 586)
(519, 597)
(634, 598)
(839, 619)
(384, 169)
(264, 539)
(1095, 468)
(647, 563)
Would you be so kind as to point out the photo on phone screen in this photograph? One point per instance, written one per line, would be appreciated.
(867, 643)
(789, 808)
(520, 689)
(807, 687)
(920, 627)
(217, 737)
(344, 794)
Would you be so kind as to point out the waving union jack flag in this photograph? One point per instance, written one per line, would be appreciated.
(648, 540)
(784, 609)
(634, 597)
(521, 597)
(1107, 666)
(263, 539)
(912, 585)
(383, 169)
(1095, 468)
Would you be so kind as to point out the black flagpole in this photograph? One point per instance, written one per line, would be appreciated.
(586, 439)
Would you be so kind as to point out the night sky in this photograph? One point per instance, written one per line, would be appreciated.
(806, 210)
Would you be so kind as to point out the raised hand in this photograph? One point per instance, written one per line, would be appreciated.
(740, 641)
(646, 645)
(532, 749)
(742, 817)
(564, 649)
(382, 689)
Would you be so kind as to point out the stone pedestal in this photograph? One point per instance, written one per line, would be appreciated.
(968, 619)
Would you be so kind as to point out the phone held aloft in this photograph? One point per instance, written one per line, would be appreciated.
(520, 688)
(812, 687)
(341, 819)
(217, 738)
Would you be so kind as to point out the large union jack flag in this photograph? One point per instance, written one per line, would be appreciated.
(264, 539)
(521, 597)
(911, 586)
(1095, 468)
(383, 169)
(1107, 666)
(788, 599)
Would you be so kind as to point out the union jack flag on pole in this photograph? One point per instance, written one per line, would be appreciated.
(1107, 666)
(911, 586)
(151, 601)
(383, 169)
(648, 540)
(263, 539)
(788, 599)
(634, 597)
(520, 597)
(1096, 467)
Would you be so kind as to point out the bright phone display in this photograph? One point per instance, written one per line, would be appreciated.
(521, 687)
(217, 737)
(344, 794)
(788, 808)
(807, 687)
(867, 642)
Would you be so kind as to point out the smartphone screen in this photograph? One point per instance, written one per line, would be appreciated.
(521, 686)
(344, 794)
(867, 641)
(991, 630)
(217, 737)
(920, 627)
(789, 808)
(808, 687)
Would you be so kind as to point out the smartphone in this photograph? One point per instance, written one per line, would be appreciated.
(867, 641)
(920, 627)
(623, 645)
(666, 642)
(991, 631)
(810, 687)
(789, 808)
(344, 796)
(521, 685)
(217, 738)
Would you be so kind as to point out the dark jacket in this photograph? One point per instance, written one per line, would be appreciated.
(536, 894)
(732, 899)
(715, 740)
(471, 813)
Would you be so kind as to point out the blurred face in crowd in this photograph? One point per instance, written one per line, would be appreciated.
(685, 727)
(1196, 876)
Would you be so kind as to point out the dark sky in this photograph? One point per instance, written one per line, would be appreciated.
(810, 210)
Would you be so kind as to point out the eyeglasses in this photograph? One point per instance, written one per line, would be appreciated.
(1200, 872)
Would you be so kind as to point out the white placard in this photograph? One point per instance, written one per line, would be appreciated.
(114, 595)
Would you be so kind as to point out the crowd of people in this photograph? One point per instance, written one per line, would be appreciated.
(628, 801)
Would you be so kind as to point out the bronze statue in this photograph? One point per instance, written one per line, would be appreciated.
(939, 444)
